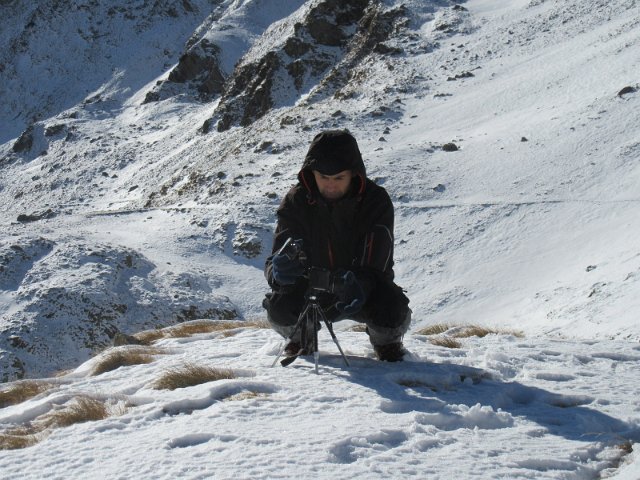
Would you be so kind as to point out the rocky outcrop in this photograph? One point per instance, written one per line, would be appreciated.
(54, 53)
(318, 54)
(198, 70)
(71, 300)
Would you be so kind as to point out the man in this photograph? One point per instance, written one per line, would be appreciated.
(343, 223)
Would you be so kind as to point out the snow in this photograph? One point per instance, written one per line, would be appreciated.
(529, 229)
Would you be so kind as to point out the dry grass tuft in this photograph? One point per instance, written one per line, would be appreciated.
(189, 375)
(480, 332)
(474, 331)
(360, 327)
(195, 327)
(447, 342)
(434, 329)
(17, 438)
(124, 357)
(20, 391)
(81, 409)
(246, 395)
(626, 447)
(148, 337)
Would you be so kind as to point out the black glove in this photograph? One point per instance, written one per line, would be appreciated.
(351, 298)
(286, 270)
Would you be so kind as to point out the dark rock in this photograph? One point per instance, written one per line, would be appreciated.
(461, 75)
(295, 47)
(24, 142)
(34, 217)
(54, 130)
(201, 63)
(450, 147)
(151, 97)
(385, 49)
(626, 90)
(198, 69)
(439, 188)
(206, 126)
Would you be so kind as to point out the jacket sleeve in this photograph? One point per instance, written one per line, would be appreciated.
(289, 226)
(375, 256)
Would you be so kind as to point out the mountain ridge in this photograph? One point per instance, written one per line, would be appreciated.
(427, 74)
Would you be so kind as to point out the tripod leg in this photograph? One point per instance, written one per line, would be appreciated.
(280, 352)
(316, 320)
(335, 339)
(299, 326)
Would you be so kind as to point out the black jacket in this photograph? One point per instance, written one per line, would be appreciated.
(355, 233)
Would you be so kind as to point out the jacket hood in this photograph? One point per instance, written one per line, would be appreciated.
(334, 151)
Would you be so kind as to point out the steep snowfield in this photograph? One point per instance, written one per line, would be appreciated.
(530, 226)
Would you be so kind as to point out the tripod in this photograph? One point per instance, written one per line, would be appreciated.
(308, 325)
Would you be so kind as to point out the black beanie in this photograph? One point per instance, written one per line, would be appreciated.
(332, 152)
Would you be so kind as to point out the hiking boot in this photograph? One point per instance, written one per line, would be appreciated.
(392, 352)
(294, 348)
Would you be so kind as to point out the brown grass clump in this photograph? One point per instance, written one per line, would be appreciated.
(195, 327)
(246, 395)
(480, 332)
(81, 409)
(20, 391)
(434, 329)
(447, 342)
(148, 337)
(18, 437)
(360, 327)
(626, 447)
(124, 357)
(465, 331)
(189, 375)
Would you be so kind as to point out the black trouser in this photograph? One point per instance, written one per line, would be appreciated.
(386, 312)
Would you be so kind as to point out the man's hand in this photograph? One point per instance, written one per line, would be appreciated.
(352, 297)
(286, 270)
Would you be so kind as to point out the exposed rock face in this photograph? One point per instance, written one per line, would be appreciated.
(198, 69)
(72, 299)
(308, 54)
(199, 63)
(24, 142)
(58, 40)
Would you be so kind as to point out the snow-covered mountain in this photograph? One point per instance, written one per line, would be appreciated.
(145, 147)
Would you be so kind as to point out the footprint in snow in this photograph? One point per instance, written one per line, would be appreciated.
(351, 449)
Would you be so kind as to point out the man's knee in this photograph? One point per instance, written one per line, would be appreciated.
(391, 333)
(388, 307)
(282, 312)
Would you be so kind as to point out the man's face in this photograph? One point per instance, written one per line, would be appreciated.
(333, 187)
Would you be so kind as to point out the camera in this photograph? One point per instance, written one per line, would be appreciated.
(321, 279)
(293, 249)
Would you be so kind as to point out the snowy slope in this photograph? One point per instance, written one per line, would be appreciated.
(529, 226)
